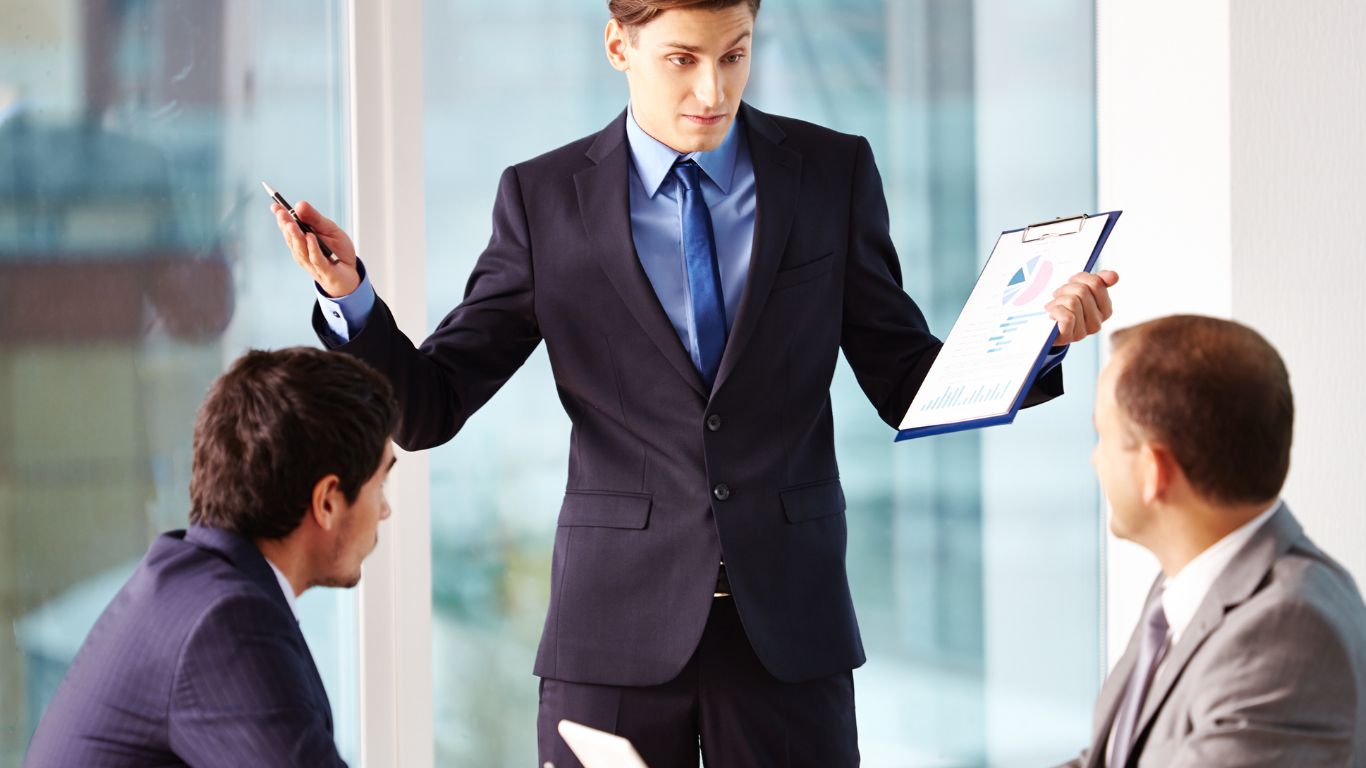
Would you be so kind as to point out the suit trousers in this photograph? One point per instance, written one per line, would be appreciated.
(724, 704)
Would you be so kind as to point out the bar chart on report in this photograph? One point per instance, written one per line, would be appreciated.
(1000, 338)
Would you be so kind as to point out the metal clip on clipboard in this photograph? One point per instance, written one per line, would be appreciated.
(1055, 228)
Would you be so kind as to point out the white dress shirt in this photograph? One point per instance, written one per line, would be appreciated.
(286, 588)
(1183, 593)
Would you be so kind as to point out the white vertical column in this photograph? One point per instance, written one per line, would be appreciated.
(1231, 133)
(387, 174)
(1299, 237)
(1163, 150)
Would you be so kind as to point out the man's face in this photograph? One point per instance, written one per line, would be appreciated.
(686, 70)
(357, 531)
(1117, 458)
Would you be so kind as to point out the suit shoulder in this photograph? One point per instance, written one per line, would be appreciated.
(803, 132)
(829, 153)
(1308, 577)
(565, 159)
(181, 585)
(1308, 601)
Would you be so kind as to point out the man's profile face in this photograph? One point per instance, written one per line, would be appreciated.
(686, 70)
(1116, 458)
(358, 530)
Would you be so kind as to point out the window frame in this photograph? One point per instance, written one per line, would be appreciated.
(387, 198)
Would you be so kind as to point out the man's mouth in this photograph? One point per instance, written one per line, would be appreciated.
(706, 119)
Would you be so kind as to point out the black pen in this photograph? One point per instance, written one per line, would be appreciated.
(302, 226)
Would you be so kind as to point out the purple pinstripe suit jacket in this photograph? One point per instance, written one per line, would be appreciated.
(197, 661)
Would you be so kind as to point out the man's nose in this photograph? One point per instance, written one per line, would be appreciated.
(707, 88)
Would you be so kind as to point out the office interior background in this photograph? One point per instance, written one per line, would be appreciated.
(138, 258)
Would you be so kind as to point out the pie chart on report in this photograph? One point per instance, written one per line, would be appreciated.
(1028, 282)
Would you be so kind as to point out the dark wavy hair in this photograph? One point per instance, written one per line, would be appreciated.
(634, 14)
(274, 425)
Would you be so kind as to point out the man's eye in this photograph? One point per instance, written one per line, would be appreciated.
(735, 58)
(681, 61)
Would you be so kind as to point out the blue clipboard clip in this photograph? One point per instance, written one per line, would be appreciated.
(1059, 227)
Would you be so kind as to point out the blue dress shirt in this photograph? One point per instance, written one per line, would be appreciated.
(656, 221)
(656, 228)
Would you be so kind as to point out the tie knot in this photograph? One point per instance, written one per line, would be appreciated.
(689, 174)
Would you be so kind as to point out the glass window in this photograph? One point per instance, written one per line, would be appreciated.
(974, 557)
(137, 259)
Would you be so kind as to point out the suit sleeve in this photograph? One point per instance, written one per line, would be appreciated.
(885, 336)
(475, 349)
(1280, 694)
(245, 692)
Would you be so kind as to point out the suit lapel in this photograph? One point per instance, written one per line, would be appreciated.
(1112, 693)
(777, 175)
(605, 208)
(1234, 586)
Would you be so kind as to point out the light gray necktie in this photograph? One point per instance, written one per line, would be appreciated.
(1152, 645)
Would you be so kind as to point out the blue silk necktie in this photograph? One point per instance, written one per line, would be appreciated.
(708, 311)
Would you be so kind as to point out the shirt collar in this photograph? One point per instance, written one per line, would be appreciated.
(286, 588)
(654, 159)
(1183, 593)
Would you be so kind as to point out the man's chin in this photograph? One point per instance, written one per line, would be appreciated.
(1119, 529)
(703, 138)
(340, 582)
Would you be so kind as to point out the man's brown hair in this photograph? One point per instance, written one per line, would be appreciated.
(634, 14)
(1217, 395)
(274, 425)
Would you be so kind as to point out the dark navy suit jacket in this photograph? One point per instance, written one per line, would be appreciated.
(197, 661)
(666, 477)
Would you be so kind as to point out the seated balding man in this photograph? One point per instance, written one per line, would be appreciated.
(1252, 646)
(199, 659)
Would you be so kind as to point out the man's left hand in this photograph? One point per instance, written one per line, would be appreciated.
(1081, 305)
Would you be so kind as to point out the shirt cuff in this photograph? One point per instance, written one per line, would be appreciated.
(346, 315)
(1051, 361)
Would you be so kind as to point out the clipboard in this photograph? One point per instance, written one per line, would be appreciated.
(597, 749)
(989, 361)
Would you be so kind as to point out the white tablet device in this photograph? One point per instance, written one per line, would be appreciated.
(596, 749)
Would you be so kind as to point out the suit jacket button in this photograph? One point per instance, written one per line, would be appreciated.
(714, 422)
(721, 492)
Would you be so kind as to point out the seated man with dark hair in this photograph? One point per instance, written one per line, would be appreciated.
(199, 659)
(1252, 646)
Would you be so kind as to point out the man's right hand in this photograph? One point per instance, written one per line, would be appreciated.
(338, 279)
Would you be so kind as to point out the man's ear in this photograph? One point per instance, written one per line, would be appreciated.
(1158, 467)
(616, 39)
(327, 503)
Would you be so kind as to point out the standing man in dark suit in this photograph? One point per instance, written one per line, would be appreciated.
(1252, 646)
(694, 269)
(199, 659)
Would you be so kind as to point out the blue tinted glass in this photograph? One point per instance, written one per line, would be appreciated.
(974, 558)
(137, 259)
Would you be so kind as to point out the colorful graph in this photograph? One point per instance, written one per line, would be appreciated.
(1028, 282)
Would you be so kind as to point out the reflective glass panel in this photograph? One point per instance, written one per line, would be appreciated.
(138, 259)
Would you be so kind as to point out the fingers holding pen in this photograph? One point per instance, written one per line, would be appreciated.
(310, 237)
(293, 236)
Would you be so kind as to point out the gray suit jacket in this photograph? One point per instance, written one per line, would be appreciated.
(1270, 671)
